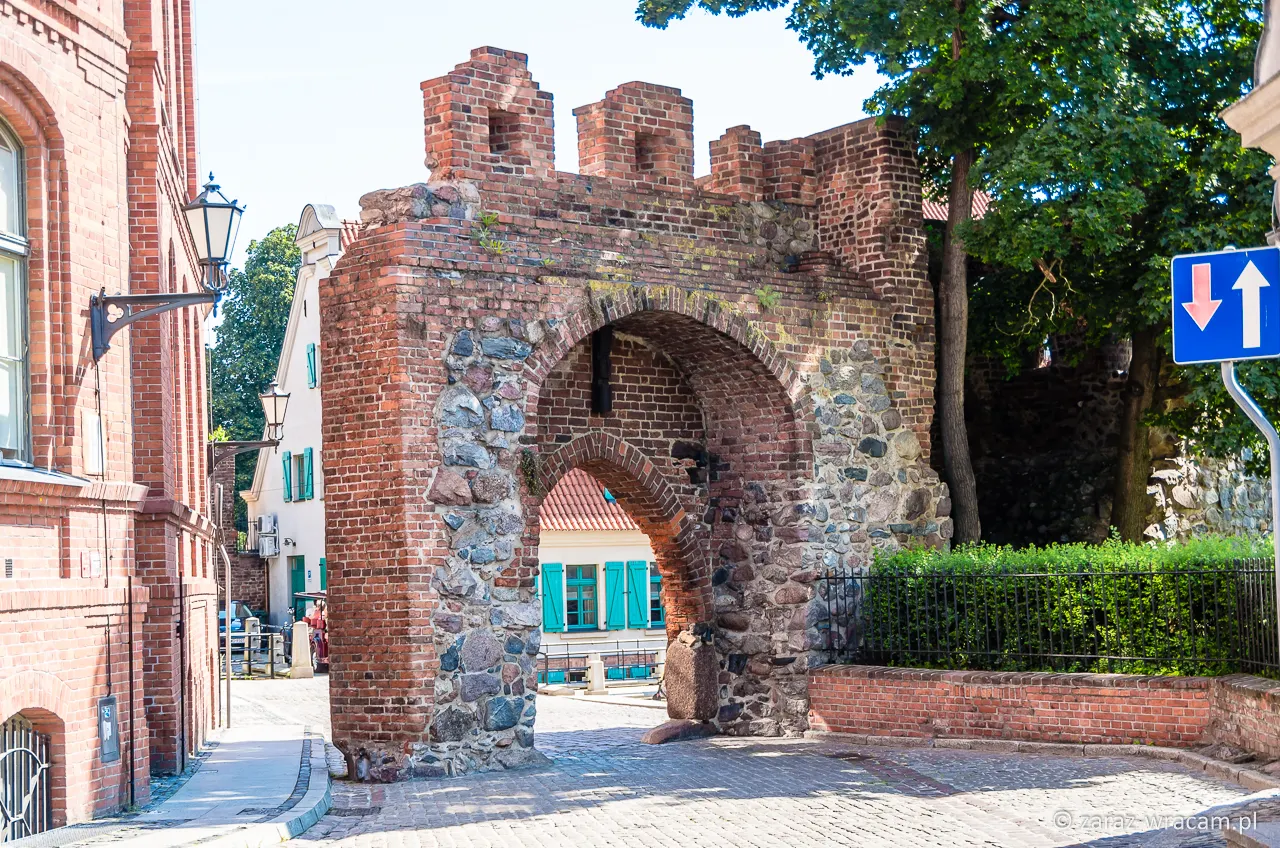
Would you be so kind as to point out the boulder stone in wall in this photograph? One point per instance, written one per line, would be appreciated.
(490, 487)
(502, 713)
(449, 488)
(1185, 497)
(908, 445)
(452, 725)
(467, 454)
(481, 650)
(515, 615)
(881, 505)
(472, 687)
(378, 208)
(459, 407)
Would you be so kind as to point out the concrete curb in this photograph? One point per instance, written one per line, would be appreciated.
(1255, 781)
(315, 802)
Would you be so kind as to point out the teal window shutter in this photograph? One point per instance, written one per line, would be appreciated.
(308, 480)
(311, 366)
(324, 575)
(615, 596)
(637, 593)
(287, 461)
(553, 597)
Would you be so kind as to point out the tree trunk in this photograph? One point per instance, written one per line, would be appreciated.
(1130, 503)
(953, 331)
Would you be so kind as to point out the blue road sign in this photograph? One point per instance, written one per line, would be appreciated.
(1226, 305)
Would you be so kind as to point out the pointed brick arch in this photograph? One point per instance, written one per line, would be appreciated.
(625, 303)
(649, 500)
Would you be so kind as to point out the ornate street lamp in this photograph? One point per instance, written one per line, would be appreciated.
(214, 223)
(274, 403)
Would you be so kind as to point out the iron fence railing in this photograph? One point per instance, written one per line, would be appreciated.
(26, 788)
(1196, 619)
(567, 663)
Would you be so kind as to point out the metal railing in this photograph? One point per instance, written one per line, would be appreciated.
(567, 663)
(1194, 619)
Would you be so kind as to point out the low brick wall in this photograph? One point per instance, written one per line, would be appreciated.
(1180, 712)
(1245, 713)
(1032, 707)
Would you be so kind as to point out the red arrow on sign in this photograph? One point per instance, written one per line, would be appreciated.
(1202, 305)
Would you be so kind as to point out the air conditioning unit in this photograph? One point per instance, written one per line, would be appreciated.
(268, 536)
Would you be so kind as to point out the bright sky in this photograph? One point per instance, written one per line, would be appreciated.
(317, 101)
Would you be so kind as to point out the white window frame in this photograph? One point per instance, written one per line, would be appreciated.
(15, 246)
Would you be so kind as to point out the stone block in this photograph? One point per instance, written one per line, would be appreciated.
(677, 730)
(691, 682)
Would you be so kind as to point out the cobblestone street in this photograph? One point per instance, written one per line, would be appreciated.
(605, 788)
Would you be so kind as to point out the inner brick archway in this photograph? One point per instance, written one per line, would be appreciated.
(653, 505)
(702, 440)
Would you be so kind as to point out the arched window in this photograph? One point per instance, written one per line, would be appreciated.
(14, 435)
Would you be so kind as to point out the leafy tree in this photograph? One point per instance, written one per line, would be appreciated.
(967, 76)
(1090, 206)
(255, 313)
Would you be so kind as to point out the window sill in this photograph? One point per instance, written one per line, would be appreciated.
(30, 474)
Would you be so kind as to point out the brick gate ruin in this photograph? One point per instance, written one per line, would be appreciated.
(744, 359)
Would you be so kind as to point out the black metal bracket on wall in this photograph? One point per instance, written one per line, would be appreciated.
(135, 307)
(219, 451)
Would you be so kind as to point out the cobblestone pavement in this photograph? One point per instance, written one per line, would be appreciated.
(283, 701)
(604, 788)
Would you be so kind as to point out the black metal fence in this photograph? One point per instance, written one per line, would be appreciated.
(1195, 619)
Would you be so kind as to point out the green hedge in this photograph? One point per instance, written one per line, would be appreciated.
(1204, 607)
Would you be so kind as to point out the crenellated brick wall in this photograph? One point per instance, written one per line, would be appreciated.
(772, 376)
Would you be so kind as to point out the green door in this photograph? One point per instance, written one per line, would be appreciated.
(298, 583)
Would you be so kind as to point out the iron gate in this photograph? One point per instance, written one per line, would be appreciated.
(25, 807)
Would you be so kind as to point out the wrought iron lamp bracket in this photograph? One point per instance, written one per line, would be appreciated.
(135, 307)
(219, 451)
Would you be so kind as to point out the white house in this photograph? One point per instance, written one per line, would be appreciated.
(599, 585)
(286, 501)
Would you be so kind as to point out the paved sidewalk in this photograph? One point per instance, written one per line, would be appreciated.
(260, 785)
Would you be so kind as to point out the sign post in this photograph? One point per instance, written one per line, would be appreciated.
(1226, 308)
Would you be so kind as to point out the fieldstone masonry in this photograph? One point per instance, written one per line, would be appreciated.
(772, 380)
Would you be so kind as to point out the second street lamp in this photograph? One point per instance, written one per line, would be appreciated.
(274, 402)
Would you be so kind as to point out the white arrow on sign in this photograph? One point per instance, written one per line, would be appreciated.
(1250, 283)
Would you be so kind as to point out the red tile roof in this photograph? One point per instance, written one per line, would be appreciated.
(577, 503)
(934, 211)
(350, 232)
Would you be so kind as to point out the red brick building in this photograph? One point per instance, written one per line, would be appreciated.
(107, 588)
(744, 359)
